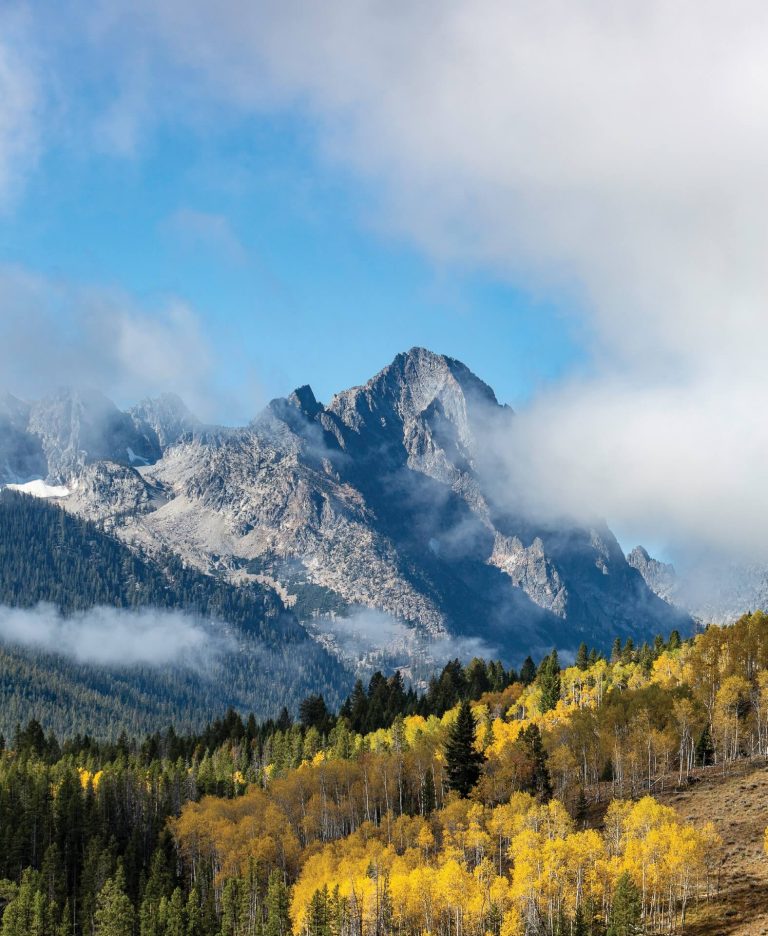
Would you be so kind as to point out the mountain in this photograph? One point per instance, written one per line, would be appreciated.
(660, 577)
(711, 587)
(68, 669)
(377, 517)
(21, 452)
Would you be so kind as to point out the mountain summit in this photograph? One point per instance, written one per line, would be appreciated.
(375, 516)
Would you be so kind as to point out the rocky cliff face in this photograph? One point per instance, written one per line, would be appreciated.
(380, 500)
(660, 577)
(21, 453)
(711, 588)
(77, 428)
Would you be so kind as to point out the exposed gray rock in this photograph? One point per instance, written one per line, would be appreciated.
(713, 589)
(381, 499)
(77, 428)
(21, 453)
(660, 577)
(167, 416)
(531, 569)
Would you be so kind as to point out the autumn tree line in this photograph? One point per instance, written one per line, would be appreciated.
(495, 802)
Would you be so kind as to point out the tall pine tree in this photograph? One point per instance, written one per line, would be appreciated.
(462, 759)
(626, 912)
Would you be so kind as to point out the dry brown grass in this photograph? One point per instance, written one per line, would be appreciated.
(738, 806)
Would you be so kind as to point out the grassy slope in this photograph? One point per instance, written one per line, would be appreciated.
(738, 806)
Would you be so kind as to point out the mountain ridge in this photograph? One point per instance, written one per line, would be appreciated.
(378, 500)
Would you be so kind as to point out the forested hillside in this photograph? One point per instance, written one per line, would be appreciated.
(497, 802)
(48, 555)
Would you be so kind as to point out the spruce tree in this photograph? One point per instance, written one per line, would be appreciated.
(428, 797)
(527, 671)
(193, 914)
(582, 656)
(318, 923)
(705, 749)
(540, 784)
(581, 811)
(175, 924)
(462, 760)
(579, 923)
(30, 913)
(626, 912)
(549, 681)
(278, 920)
(114, 910)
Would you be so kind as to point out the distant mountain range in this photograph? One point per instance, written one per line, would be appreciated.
(372, 520)
(713, 589)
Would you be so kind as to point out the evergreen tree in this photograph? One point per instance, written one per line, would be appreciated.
(385, 923)
(477, 678)
(318, 923)
(175, 924)
(579, 923)
(338, 913)
(581, 811)
(462, 759)
(540, 783)
(193, 915)
(626, 911)
(31, 912)
(278, 919)
(428, 797)
(230, 907)
(65, 921)
(314, 713)
(114, 910)
(549, 681)
(705, 749)
(527, 671)
(582, 657)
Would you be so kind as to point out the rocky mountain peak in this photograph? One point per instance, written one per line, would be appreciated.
(167, 415)
(407, 387)
(76, 427)
(422, 409)
(304, 400)
(660, 577)
(379, 500)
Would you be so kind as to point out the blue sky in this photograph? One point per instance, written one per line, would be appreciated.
(281, 256)
(229, 200)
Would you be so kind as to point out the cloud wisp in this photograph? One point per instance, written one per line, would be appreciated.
(116, 637)
(369, 631)
(57, 333)
(610, 154)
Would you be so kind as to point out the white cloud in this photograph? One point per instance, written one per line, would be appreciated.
(613, 152)
(608, 151)
(55, 333)
(369, 630)
(115, 637)
(20, 102)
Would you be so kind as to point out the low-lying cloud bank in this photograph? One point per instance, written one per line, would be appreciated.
(368, 630)
(116, 637)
